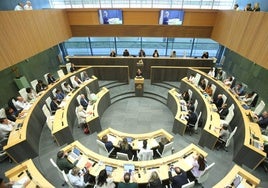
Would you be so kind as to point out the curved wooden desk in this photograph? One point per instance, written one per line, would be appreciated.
(143, 168)
(248, 180)
(244, 151)
(38, 178)
(24, 143)
(64, 118)
(153, 137)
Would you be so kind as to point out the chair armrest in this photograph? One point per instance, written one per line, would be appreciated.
(111, 151)
(159, 153)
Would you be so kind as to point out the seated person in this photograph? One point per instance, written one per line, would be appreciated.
(219, 75)
(262, 120)
(162, 143)
(21, 104)
(11, 114)
(142, 53)
(31, 95)
(14, 184)
(202, 84)
(248, 98)
(51, 79)
(224, 135)
(82, 114)
(139, 73)
(6, 126)
(179, 179)
(59, 95)
(154, 181)
(191, 78)
(186, 96)
(104, 181)
(199, 165)
(209, 90)
(211, 72)
(72, 68)
(78, 178)
(84, 76)
(125, 147)
(40, 86)
(155, 54)
(223, 111)
(54, 105)
(83, 101)
(126, 53)
(144, 149)
(239, 90)
(63, 163)
(76, 82)
(126, 183)
(191, 118)
(228, 81)
(173, 54)
(112, 54)
(67, 88)
(218, 101)
(108, 144)
(205, 55)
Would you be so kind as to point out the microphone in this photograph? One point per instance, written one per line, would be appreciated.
(29, 175)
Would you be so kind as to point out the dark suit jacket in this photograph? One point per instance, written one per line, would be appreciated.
(178, 180)
(219, 102)
(192, 118)
(223, 113)
(51, 80)
(40, 88)
(53, 107)
(83, 102)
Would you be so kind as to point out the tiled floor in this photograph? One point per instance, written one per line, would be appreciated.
(135, 115)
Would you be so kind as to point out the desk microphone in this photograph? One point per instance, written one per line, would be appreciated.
(29, 175)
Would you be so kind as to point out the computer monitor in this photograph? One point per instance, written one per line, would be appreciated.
(171, 17)
(110, 16)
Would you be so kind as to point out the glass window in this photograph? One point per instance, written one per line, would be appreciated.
(78, 46)
(182, 46)
(102, 46)
(132, 44)
(202, 45)
(149, 44)
(91, 3)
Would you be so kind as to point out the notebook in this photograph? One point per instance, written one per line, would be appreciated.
(129, 168)
(74, 154)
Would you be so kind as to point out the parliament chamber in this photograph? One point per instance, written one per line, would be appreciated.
(113, 82)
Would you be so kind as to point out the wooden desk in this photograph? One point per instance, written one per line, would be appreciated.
(244, 152)
(153, 138)
(249, 181)
(139, 86)
(24, 143)
(174, 104)
(38, 178)
(141, 167)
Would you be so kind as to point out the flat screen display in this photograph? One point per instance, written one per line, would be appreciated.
(171, 17)
(110, 16)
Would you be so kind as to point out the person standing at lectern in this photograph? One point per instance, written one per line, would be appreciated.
(139, 73)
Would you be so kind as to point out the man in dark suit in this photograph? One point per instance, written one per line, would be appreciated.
(219, 101)
(50, 79)
(191, 119)
(83, 101)
(54, 105)
(223, 111)
(179, 179)
(40, 86)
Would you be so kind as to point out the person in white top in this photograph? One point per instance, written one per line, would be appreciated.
(212, 72)
(103, 181)
(19, 7)
(76, 179)
(28, 6)
(191, 78)
(145, 148)
(6, 127)
(67, 88)
(82, 114)
(21, 104)
(76, 82)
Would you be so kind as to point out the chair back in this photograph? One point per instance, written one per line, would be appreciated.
(197, 78)
(259, 108)
(46, 111)
(54, 92)
(60, 73)
(255, 98)
(229, 117)
(33, 84)
(188, 185)
(2, 113)
(122, 156)
(102, 149)
(54, 164)
(190, 94)
(48, 101)
(23, 93)
(49, 124)
(68, 66)
(88, 92)
(224, 98)
(66, 179)
(78, 98)
(79, 119)
(145, 155)
(196, 123)
(45, 77)
(213, 87)
(206, 81)
(230, 137)
(195, 105)
(167, 149)
(72, 81)
(231, 108)
(204, 176)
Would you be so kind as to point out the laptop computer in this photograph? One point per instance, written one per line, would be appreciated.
(237, 181)
(129, 139)
(109, 169)
(129, 168)
(74, 154)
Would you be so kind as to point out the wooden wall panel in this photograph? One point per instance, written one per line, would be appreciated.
(27, 33)
(244, 33)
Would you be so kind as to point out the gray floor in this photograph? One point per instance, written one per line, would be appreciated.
(135, 115)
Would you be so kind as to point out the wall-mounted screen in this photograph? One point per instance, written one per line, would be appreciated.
(171, 17)
(110, 16)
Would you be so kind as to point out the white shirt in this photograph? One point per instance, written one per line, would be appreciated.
(75, 83)
(82, 115)
(5, 129)
(27, 7)
(77, 181)
(21, 105)
(18, 7)
(67, 89)
(109, 184)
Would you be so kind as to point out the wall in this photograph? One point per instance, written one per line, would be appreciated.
(34, 68)
(263, 4)
(255, 76)
(36, 4)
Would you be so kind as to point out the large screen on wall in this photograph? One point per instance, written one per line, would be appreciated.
(171, 17)
(110, 16)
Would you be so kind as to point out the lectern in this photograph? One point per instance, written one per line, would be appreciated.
(139, 82)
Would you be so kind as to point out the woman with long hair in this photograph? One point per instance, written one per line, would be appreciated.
(103, 181)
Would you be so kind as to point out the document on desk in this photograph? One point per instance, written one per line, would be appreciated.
(111, 138)
(20, 183)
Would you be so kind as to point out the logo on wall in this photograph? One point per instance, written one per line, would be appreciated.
(140, 63)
